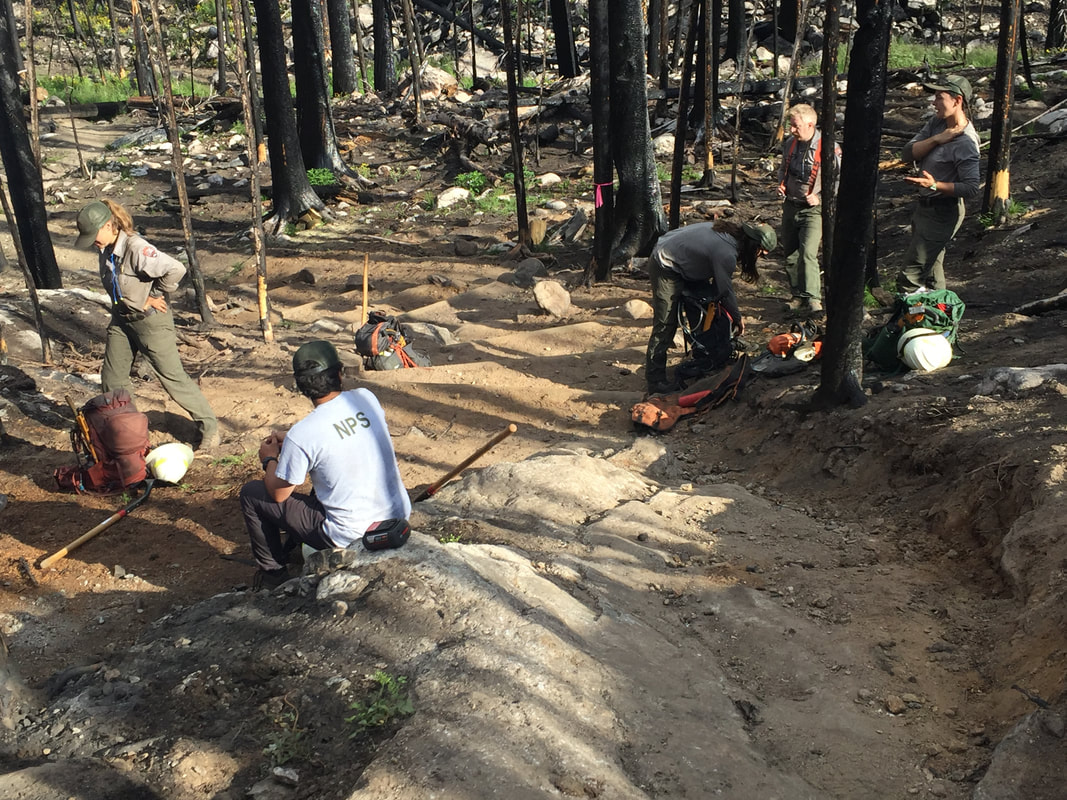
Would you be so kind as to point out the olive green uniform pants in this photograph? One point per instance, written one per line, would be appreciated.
(801, 236)
(933, 224)
(154, 336)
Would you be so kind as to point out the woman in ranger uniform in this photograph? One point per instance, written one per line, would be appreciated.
(946, 152)
(137, 277)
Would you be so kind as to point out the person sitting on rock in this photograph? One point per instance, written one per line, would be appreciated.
(344, 445)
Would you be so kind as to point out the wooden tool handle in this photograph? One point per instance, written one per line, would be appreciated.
(431, 490)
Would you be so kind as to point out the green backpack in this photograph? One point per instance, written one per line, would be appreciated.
(940, 310)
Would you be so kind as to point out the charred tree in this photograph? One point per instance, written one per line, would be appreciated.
(142, 68)
(603, 175)
(735, 30)
(639, 217)
(680, 126)
(23, 177)
(657, 24)
(790, 19)
(385, 80)
(345, 80)
(291, 191)
(220, 42)
(828, 124)
(9, 12)
(513, 126)
(116, 45)
(563, 28)
(1056, 34)
(842, 364)
(318, 138)
(998, 186)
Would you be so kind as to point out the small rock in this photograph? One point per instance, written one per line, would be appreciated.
(894, 704)
(465, 248)
(119, 572)
(912, 700)
(637, 309)
(286, 776)
(528, 270)
(343, 583)
(549, 179)
(339, 608)
(552, 298)
(865, 695)
(305, 276)
(453, 195)
(1053, 723)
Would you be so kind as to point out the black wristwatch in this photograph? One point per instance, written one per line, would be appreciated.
(267, 460)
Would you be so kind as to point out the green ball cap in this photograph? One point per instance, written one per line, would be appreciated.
(315, 357)
(90, 220)
(953, 84)
(763, 235)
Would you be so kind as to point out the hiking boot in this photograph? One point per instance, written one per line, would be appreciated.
(209, 441)
(815, 306)
(662, 387)
(796, 304)
(269, 579)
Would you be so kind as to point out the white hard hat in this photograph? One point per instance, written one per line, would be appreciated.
(924, 349)
(169, 462)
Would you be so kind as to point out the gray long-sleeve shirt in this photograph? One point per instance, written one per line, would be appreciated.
(954, 162)
(141, 270)
(698, 252)
(798, 160)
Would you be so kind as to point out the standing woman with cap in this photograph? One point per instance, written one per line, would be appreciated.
(137, 277)
(705, 252)
(946, 154)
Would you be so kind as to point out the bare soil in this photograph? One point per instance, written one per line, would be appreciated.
(930, 553)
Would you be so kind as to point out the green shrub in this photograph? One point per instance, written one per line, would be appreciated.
(387, 702)
(320, 176)
(474, 182)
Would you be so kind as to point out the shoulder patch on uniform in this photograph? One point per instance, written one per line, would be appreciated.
(149, 251)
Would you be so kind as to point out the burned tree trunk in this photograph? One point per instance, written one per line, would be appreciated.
(735, 30)
(600, 96)
(842, 365)
(998, 186)
(828, 119)
(513, 119)
(23, 177)
(318, 138)
(220, 42)
(680, 126)
(563, 28)
(142, 68)
(657, 25)
(639, 214)
(344, 61)
(291, 191)
(385, 80)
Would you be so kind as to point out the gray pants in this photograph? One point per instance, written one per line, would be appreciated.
(300, 515)
(801, 236)
(154, 336)
(932, 228)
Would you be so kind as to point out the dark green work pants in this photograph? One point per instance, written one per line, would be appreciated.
(932, 227)
(154, 336)
(801, 236)
(666, 288)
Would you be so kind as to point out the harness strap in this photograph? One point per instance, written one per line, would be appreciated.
(816, 163)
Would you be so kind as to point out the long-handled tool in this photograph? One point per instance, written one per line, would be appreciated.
(83, 429)
(431, 490)
(107, 523)
(366, 270)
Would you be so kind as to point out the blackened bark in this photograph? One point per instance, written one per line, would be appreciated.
(517, 160)
(9, 12)
(680, 126)
(600, 97)
(788, 17)
(318, 138)
(23, 177)
(563, 28)
(842, 366)
(344, 60)
(639, 217)
(656, 23)
(291, 191)
(142, 67)
(1056, 34)
(735, 30)
(998, 186)
(385, 80)
(828, 125)
(220, 40)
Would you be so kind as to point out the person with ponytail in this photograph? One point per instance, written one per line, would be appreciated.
(137, 278)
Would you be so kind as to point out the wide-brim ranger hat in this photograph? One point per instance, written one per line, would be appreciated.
(315, 357)
(764, 235)
(90, 220)
(953, 84)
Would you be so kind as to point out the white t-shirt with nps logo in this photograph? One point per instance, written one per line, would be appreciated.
(344, 445)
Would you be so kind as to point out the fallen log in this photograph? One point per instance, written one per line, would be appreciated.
(1041, 306)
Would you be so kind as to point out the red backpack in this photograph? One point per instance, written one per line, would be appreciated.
(110, 440)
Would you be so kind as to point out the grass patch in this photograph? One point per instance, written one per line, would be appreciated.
(907, 54)
(450, 538)
(320, 176)
(232, 461)
(74, 89)
(474, 182)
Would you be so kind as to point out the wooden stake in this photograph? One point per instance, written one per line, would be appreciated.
(366, 270)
